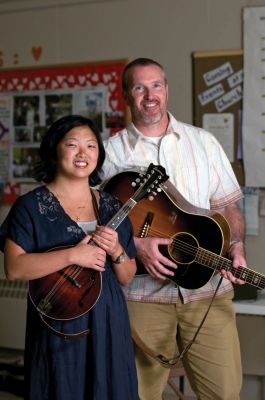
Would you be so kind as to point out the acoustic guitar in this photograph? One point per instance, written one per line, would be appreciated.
(200, 237)
(74, 290)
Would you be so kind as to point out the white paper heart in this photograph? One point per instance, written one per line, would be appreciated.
(32, 85)
(94, 78)
(106, 78)
(114, 104)
(112, 86)
(54, 84)
(81, 79)
(60, 79)
(71, 79)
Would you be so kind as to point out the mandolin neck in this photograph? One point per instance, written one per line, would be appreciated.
(121, 214)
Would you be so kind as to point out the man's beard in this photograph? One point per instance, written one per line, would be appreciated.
(147, 118)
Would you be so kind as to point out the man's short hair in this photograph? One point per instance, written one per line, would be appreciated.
(138, 62)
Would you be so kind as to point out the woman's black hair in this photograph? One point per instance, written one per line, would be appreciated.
(45, 168)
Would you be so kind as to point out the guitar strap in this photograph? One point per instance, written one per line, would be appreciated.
(95, 206)
(163, 360)
(77, 335)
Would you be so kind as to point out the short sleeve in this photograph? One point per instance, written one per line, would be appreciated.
(18, 226)
(126, 239)
(224, 186)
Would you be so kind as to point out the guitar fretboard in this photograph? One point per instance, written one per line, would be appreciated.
(217, 262)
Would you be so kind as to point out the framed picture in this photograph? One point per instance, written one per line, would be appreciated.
(22, 161)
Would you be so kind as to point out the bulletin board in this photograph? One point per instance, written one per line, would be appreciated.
(31, 99)
(217, 100)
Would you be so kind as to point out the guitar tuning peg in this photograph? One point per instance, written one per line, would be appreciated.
(133, 184)
(151, 197)
(159, 189)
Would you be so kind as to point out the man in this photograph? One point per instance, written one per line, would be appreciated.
(160, 311)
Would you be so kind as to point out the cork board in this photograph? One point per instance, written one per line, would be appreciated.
(217, 93)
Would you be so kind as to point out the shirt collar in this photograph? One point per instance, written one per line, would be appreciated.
(135, 135)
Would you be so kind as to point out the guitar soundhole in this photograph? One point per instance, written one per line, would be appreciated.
(183, 248)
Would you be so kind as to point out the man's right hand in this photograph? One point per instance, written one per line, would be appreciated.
(153, 260)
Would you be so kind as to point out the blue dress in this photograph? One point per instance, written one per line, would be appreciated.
(99, 366)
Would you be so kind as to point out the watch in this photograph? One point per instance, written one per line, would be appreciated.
(120, 259)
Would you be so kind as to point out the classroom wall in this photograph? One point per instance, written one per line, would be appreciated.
(167, 30)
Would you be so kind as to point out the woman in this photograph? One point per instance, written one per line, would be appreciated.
(99, 365)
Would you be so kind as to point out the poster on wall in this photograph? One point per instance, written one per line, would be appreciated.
(32, 99)
(222, 127)
(217, 92)
(5, 113)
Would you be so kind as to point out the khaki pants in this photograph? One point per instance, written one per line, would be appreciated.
(213, 363)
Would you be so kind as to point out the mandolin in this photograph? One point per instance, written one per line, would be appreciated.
(74, 290)
(201, 237)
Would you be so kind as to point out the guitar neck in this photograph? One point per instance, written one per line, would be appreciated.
(216, 262)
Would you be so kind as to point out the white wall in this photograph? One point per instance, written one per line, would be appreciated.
(167, 30)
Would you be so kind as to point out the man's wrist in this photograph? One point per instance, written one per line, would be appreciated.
(236, 242)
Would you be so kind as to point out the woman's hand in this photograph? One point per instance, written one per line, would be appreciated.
(108, 240)
(89, 256)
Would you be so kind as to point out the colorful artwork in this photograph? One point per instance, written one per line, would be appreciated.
(31, 99)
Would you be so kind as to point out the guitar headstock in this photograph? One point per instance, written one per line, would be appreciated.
(150, 182)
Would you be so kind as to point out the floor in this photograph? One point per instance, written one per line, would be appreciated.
(168, 396)
(15, 358)
(9, 396)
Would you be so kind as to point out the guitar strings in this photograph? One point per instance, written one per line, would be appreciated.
(206, 257)
(60, 282)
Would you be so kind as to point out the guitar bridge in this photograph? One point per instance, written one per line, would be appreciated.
(147, 224)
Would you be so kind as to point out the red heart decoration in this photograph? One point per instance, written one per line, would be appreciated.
(36, 52)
